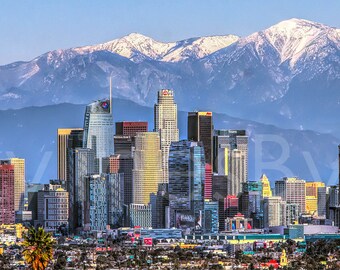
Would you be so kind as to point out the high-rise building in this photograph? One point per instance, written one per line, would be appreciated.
(250, 202)
(186, 178)
(97, 200)
(52, 207)
(165, 120)
(219, 192)
(292, 190)
(147, 169)
(208, 182)
(19, 182)
(105, 199)
(7, 213)
(125, 135)
(210, 217)
(231, 157)
(200, 129)
(64, 135)
(312, 188)
(115, 199)
(231, 205)
(322, 195)
(266, 189)
(274, 211)
(140, 215)
(122, 164)
(159, 203)
(130, 128)
(333, 205)
(81, 163)
(98, 130)
(292, 214)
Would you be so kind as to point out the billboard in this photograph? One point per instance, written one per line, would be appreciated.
(185, 220)
(147, 242)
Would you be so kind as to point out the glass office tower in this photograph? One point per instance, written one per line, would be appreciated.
(98, 130)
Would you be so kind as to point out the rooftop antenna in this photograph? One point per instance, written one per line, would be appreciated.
(110, 94)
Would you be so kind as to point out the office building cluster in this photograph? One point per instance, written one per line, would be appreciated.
(127, 176)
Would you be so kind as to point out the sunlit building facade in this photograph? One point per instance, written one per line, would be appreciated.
(165, 119)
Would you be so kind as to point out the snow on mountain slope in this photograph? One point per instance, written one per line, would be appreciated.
(198, 47)
(138, 47)
(295, 39)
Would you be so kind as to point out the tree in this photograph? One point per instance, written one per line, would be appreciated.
(5, 261)
(61, 261)
(38, 248)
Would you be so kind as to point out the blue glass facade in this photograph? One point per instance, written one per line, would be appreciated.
(98, 130)
(186, 179)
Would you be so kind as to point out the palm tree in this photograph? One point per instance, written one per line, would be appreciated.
(38, 248)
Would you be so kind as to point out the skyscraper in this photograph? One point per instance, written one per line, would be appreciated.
(123, 164)
(64, 134)
(128, 128)
(266, 189)
(19, 182)
(186, 178)
(7, 213)
(274, 211)
(98, 130)
(200, 129)
(231, 157)
(52, 208)
(147, 169)
(165, 119)
(292, 190)
(81, 163)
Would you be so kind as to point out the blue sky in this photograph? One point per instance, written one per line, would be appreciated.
(32, 27)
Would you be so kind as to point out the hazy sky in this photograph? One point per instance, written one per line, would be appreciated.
(31, 27)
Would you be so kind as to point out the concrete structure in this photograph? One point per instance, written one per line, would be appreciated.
(63, 136)
(292, 190)
(98, 131)
(52, 207)
(140, 215)
(165, 121)
(7, 191)
(147, 169)
(274, 211)
(186, 178)
(200, 129)
(231, 157)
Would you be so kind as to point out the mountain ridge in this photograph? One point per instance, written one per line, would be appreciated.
(248, 78)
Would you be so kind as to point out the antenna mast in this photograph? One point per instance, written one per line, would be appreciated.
(110, 94)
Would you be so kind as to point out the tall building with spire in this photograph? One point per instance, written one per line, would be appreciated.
(98, 131)
(165, 120)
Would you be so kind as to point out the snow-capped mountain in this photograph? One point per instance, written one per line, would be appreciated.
(138, 47)
(278, 75)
